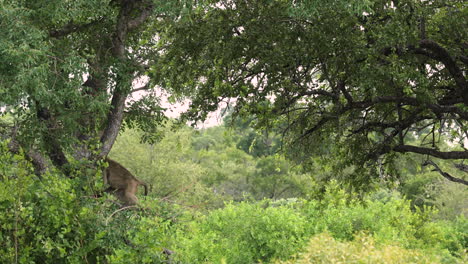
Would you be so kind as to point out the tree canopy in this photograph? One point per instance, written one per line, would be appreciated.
(69, 69)
(357, 90)
(368, 78)
(364, 79)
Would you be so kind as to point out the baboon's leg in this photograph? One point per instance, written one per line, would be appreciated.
(130, 198)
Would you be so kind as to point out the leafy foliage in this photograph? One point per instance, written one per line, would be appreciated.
(52, 220)
(347, 86)
(366, 77)
(324, 248)
(70, 70)
(389, 219)
(244, 233)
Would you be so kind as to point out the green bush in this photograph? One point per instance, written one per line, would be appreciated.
(144, 242)
(44, 221)
(388, 220)
(448, 238)
(323, 248)
(243, 233)
(54, 220)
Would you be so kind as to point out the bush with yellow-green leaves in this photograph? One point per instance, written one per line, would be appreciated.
(323, 249)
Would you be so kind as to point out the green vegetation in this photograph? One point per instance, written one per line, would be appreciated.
(368, 81)
(325, 249)
(344, 138)
(207, 205)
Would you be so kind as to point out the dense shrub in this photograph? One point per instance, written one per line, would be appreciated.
(145, 242)
(388, 219)
(323, 248)
(243, 233)
(43, 221)
(445, 237)
(262, 232)
(53, 220)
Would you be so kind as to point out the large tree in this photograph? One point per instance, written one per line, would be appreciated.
(375, 78)
(68, 71)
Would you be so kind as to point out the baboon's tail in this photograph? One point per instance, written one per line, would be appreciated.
(146, 187)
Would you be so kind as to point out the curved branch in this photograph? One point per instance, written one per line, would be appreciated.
(462, 167)
(444, 174)
(433, 50)
(441, 54)
(143, 88)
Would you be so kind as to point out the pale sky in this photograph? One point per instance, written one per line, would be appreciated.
(174, 110)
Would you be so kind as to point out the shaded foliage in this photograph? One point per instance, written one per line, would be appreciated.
(366, 77)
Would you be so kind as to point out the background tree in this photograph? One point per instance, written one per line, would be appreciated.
(366, 77)
(257, 143)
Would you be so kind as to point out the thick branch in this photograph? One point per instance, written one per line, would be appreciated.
(126, 22)
(38, 161)
(434, 51)
(436, 108)
(141, 18)
(462, 167)
(114, 121)
(54, 149)
(432, 152)
(115, 116)
(377, 124)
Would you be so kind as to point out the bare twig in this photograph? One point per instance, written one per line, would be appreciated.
(119, 210)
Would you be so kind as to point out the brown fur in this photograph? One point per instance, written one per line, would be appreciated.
(122, 183)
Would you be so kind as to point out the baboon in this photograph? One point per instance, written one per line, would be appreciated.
(122, 183)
